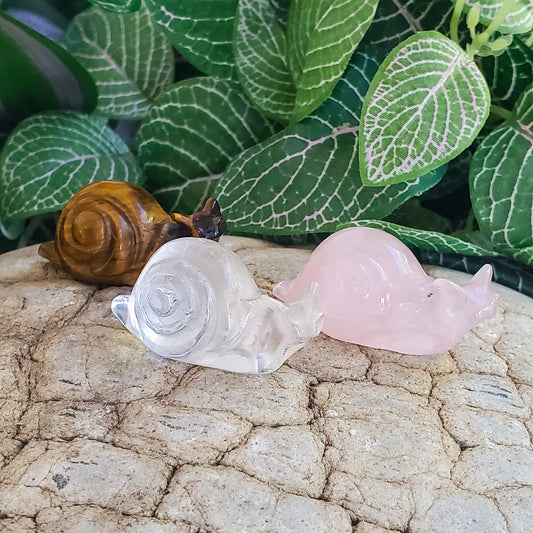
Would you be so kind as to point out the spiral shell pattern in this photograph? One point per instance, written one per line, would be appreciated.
(173, 306)
(188, 296)
(108, 231)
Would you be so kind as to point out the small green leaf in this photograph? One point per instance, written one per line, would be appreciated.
(128, 56)
(202, 31)
(322, 36)
(118, 6)
(36, 75)
(49, 156)
(425, 105)
(424, 239)
(288, 77)
(305, 179)
(519, 20)
(500, 182)
(191, 134)
(260, 57)
(509, 73)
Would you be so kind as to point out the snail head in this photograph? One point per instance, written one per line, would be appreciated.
(207, 223)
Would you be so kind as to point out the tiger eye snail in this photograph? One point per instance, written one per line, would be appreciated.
(109, 229)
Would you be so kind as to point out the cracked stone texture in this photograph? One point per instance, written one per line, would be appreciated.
(98, 434)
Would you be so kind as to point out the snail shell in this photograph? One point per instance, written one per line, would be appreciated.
(373, 291)
(109, 229)
(197, 302)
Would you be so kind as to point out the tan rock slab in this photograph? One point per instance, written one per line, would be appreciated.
(87, 519)
(97, 434)
(222, 499)
(273, 399)
(286, 457)
(81, 471)
(188, 435)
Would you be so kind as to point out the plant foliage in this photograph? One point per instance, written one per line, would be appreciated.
(301, 116)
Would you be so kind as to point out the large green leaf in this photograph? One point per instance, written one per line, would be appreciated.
(49, 156)
(322, 36)
(509, 73)
(201, 30)
(128, 56)
(504, 270)
(260, 56)
(519, 19)
(36, 75)
(288, 74)
(425, 105)
(305, 178)
(395, 20)
(192, 133)
(426, 240)
(500, 182)
(118, 6)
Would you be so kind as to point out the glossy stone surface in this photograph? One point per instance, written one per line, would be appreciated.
(109, 229)
(373, 291)
(197, 302)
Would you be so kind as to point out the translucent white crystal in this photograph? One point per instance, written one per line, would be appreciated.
(197, 302)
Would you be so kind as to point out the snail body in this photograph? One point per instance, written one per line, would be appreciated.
(374, 292)
(195, 301)
(109, 229)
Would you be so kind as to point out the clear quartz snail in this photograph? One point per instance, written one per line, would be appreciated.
(195, 301)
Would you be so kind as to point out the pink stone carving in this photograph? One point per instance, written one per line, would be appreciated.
(374, 292)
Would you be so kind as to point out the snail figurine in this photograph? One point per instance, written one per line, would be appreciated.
(195, 301)
(109, 229)
(373, 292)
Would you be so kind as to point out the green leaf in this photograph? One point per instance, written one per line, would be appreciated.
(49, 156)
(118, 6)
(519, 20)
(424, 239)
(500, 182)
(504, 270)
(128, 56)
(322, 36)
(395, 20)
(202, 31)
(305, 178)
(36, 74)
(425, 105)
(191, 134)
(260, 58)
(288, 77)
(509, 73)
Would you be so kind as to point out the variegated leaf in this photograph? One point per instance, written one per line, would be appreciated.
(118, 6)
(425, 105)
(202, 31)
(519, 19)
(288, 77)
(49, 156)
(426, 240)
(192, 133)
(500, 182)
(305, 179)
(128, 56)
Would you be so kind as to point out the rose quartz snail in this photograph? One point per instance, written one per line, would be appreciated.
(373, 292)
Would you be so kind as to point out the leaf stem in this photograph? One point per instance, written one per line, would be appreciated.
(482, 38)
(454, 23)
(501, 112)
